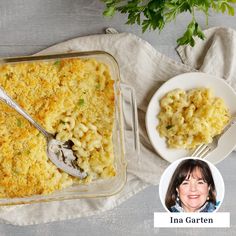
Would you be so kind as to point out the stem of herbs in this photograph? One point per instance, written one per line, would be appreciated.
(193, 14)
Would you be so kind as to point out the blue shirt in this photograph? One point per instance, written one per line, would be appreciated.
(207, 207)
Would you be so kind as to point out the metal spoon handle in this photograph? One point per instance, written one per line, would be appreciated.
(8, 100)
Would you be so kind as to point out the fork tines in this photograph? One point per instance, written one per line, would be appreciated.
(201, 151)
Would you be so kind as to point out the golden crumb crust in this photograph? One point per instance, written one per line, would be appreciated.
(71, 98)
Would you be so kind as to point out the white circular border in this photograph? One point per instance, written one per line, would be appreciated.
(167, 174)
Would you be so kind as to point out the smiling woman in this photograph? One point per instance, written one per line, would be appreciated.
(192, 188)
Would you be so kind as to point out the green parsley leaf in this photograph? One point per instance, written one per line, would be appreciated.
(155, 14)
(193, 29)
(110, 11)
(80, 102)
(57, 63)
(98, 86)
(18, 123)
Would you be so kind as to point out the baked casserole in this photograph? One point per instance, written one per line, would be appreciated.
(71, 98)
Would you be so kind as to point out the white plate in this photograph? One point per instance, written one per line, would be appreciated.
(187, 81)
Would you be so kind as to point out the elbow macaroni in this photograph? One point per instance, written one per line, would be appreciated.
(187, 119)
(72, 98)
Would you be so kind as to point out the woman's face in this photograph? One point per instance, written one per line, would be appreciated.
(193, 191)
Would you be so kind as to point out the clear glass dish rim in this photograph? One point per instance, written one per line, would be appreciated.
(57, 56)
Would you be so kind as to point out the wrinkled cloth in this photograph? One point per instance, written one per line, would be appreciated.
(142, 67)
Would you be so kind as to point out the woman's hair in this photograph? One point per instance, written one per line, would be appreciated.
(183, 171)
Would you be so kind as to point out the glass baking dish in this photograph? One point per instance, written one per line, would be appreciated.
(124, 94)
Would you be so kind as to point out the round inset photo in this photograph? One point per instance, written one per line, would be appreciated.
(191, 184)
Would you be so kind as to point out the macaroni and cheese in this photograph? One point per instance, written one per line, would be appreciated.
(71, 98)
(190, 118)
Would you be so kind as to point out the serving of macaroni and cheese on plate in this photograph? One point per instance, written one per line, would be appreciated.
(71, 98)
(190, 118)
(187, 111)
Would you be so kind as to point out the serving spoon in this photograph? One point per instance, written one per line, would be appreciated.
(60, 153)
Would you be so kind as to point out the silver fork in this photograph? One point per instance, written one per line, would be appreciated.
(204, 149)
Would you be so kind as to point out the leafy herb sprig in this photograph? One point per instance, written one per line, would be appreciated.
(154, 14)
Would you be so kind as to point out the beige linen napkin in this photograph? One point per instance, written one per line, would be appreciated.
(216, 55)
(145, 69)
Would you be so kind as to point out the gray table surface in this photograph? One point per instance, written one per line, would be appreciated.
(27, 27)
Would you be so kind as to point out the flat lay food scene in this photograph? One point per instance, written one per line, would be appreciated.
(98, 98)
